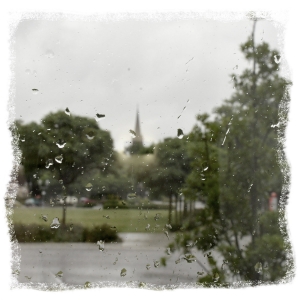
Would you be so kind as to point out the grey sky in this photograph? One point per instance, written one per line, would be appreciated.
(110, 67)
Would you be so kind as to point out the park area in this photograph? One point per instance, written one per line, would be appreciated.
(129, 220)
(131, 178)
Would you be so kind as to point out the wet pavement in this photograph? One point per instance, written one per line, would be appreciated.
(81, 262)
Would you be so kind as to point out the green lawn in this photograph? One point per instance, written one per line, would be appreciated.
(125, 220)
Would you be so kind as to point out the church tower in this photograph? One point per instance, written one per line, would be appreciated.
(137, 141)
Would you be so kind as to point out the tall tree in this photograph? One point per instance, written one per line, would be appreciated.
(168, 174)
(240, 146)
(65, 146)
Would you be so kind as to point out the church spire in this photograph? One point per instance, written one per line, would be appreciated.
(137, 142)
(138, 137)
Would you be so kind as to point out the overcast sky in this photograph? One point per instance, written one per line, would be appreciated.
(111, 67)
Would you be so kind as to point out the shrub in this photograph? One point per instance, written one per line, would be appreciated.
(36, 233)
(103, 232)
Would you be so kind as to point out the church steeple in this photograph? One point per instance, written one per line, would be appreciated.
(138, 137)
(137, 142)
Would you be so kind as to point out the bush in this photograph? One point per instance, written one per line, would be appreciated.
(36, 233)
(176, 227)
(103, 232)
(113, 202)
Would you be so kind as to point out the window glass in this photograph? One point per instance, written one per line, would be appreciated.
(151, 153)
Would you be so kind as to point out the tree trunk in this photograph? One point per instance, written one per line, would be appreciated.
(64, 212)
(184, 208)
(170, 208)
(180, 209)
(63, 221)
(176, 209)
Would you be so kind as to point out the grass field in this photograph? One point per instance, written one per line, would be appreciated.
(125, 220)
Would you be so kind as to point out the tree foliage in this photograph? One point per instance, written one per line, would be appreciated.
(64, 149)
(234, 169)
(168, 173)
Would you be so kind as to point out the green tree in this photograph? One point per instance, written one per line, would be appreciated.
(64, 148)
(168, 174)
(239, 147)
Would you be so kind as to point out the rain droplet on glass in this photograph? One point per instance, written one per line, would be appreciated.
(35, 91)
(59, 274)
(277, 59)
(250, 187)
(67, 111)
(167, 234)
(131, 196)
(49, 163)
(216, 277)
(27, 71)
(148, 267)
(101, 245)
(55, 223)
(16, 272)
(59, 159)
(115, 261)
(156, 217)
(99, 116)
(71, 227)
(179, 133)
(89, 187)
(45, 218)
(90, 137)
(132, 133)
(87, 285)
(60, 143)
(123, 272)
(258, 267)
(168, 251)
(156, 263)
(189, 258)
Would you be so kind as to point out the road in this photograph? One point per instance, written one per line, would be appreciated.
(81, 262)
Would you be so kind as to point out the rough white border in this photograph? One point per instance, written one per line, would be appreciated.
(86, 9)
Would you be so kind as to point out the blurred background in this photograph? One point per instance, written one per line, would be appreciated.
(161, 134)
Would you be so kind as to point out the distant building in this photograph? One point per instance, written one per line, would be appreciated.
(137, 141)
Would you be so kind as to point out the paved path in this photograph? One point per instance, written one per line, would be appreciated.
(81, 262)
